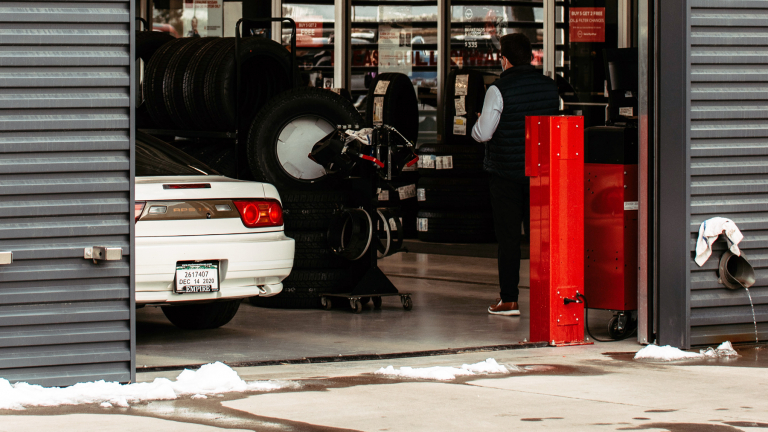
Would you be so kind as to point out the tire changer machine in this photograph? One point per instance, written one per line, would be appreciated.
(365, 159)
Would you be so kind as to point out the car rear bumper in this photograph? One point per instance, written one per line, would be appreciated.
(249, 265)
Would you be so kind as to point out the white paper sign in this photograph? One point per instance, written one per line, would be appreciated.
(422, 224)
(381, 87)
(378, 111)
(384, 195)
(408, 191)
(460, 105)
(462, 82)
(459, 126)
(444, 162)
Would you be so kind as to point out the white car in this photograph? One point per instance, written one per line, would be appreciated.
(203, 241)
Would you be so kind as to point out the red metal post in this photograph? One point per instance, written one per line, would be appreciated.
(554, 157)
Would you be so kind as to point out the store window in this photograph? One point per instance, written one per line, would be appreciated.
(592, 26)
(189, 18)
(397, 36)
(314, 40)
(476, 27)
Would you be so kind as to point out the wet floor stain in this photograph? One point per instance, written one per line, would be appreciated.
(538, 419)
(684, 427)
(660, 410)
(747, 424)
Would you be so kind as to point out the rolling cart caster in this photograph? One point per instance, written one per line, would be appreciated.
(619, 326)
(365, 300)
(376, 302)
(357, 307)
(407, 302)
(325, 302)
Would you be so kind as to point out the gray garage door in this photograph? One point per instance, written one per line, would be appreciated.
(65, 185)
(729, 158)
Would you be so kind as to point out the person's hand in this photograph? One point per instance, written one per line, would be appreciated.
(478, 116)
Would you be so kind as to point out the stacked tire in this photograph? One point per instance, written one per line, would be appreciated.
(392, 101)
(191, 83)
(278, 144)
(452, 190)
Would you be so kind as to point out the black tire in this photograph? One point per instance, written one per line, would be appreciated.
(313, 211)
(292, 107)
(473, 103)
(466, 160)
(173, 83)
(219, 155)
(455, 226)
(152, 89)
(147, 42)
(313, 252)
(454, 193)
(194, 83)
(302, 289)
(265, 72)
(342, 92)
(400, 107)
(202, 316)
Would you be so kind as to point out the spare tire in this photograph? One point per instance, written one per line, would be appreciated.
(465, 89)
(453, 193)
(451, 160)
(152, 90)
(173, 83)
(392, 101)
(455, 226)
(266, 70)
(285, 130)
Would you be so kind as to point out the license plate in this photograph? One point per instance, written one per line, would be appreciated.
(197, 277)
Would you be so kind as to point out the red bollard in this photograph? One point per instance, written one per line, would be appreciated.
(554, 160)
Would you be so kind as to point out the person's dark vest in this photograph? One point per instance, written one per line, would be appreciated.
(525, 92)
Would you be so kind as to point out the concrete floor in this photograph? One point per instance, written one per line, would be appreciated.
(585, 388)
(450, 295)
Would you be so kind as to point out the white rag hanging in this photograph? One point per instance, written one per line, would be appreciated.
(709, 231)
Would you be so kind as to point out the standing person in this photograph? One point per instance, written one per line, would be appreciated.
(520, 91)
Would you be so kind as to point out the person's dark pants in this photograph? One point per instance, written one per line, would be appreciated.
(511, 207)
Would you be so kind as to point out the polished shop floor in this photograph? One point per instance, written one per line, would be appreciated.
(450, 294)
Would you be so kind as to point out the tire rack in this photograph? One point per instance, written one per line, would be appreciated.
(374, 284)
(233, 135)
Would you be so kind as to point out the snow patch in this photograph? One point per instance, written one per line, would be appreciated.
(669, 353)
(212, 378)
(445, 373)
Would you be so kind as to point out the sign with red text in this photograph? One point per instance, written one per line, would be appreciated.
(309, 33)
(587, 24)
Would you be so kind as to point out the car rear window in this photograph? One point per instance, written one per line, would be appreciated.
(157, 158)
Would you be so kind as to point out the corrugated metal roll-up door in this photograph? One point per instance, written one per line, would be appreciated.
(65, 185)
(729, 159)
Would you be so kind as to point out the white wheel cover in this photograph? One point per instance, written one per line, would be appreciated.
(295, 143)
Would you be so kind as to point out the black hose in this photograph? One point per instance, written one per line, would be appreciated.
(586, 323)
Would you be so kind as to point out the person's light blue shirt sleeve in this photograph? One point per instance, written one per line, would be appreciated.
(489, 120)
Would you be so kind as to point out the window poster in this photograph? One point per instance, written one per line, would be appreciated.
(203, 18)
(587, 24)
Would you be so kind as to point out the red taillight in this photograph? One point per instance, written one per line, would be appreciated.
(138, 207)
(187, 186)
(256, 214)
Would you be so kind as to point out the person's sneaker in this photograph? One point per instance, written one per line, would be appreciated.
(507, 309)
